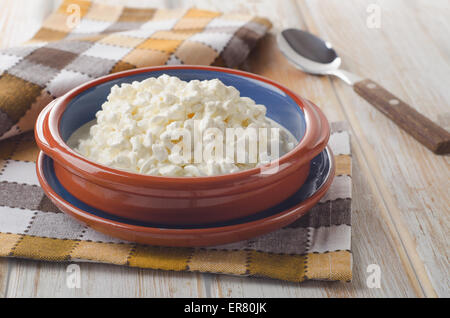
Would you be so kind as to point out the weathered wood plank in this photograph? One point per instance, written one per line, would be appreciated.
(45, 279)
(4, 275)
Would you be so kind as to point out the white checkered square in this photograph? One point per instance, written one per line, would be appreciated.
(107, 51)
(23, 50)
(65, 81)
(14, 220)
(159, 24)
(91, 26)
(55, 225)
(20, 172)
(329, 238)
(92, 235)
(6, 61)
(341, 188)
(173, 60)
(33, 72)
(215, 40)
(340, 143)
(220, 23)
(138, 33)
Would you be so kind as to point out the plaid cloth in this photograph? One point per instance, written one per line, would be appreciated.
(109, 39)
(317, 246)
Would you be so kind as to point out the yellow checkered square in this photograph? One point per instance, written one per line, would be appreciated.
(168, 258)
(44, 248)
(198, 14)
(232, 262)
(104, 12)
(142, 58)
(330, 266)
(58, 22)
(27, 150)
(102, 252)
(48, 35)
(285, 267)
(165, 45)
(177, 35)
(7, 242)
(68, 5)
(343, 165)
(121, 40)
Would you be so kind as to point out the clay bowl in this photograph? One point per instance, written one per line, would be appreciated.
(185, 200)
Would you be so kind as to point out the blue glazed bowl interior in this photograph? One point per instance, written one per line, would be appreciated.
(280, 106)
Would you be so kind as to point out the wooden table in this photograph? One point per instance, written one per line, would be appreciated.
(400, 189)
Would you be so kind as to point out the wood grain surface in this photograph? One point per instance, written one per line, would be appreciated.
(400, 203)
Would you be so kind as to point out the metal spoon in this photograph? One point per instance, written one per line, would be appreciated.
(313, 55)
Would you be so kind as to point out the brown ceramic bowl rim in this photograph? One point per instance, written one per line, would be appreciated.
(49, 139)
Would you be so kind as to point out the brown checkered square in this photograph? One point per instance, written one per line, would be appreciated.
(142, 58)
(247, 35)
(236, 50)
(27, 122)
(5, 123)
(29, 198)
(90, 65)
(122, 26)
(49, 35)
(136, 15)
(196, 53)
(72, 46)
(33, 72)
(47, 206)
(16, 95)
(51, 57)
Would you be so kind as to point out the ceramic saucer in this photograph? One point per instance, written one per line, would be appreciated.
(319, 180)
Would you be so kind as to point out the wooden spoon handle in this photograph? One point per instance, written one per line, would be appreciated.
(435, 138)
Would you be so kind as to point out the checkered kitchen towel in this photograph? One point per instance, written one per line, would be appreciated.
(108, 39)
(317, 246)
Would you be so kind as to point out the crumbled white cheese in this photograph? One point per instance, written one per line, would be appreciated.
(139, 126)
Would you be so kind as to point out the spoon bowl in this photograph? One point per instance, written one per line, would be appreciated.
(308, 52)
